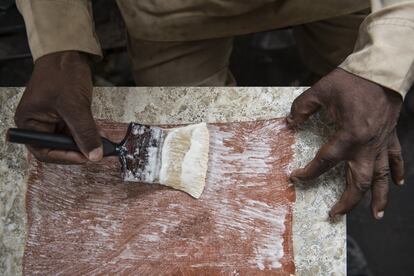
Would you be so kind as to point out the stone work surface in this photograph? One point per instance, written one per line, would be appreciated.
(318, 245)
(12, 190)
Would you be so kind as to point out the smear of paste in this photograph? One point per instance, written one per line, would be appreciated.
(84, 220)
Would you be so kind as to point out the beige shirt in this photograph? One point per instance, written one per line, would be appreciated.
(384, 52)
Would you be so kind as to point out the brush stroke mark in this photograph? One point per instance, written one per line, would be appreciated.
(83, 220)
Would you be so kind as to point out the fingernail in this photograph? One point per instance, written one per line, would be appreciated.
(380, 214)
(334, 218)
(401, 182)
(295, 174)
(294, 178)
(95, 154)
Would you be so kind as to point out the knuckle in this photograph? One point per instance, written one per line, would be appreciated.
(394, 145)
(364, 136)
(40, 156)
(327, 162)
(363, 186)
(21, 120)
(382, 173)
(395, 154)
(20, 116)
(296, 105)
(341, 208)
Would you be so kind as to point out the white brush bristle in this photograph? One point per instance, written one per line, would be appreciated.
(185, 158)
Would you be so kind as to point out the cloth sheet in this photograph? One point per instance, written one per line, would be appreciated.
(84, 220)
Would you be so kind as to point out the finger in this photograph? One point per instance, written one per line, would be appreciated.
(379, 190)
(349, 198)
(396, 162)
(358, 180)
(85, 132)
(327, 157)
(57, 156)
(63, 128)
(49, 155)
(102, 132)
(37, 125)
(303, 106)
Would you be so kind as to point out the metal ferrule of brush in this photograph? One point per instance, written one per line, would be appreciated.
(140, 153)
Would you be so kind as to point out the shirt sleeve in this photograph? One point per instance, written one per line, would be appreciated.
(384, 51)
(59, 25)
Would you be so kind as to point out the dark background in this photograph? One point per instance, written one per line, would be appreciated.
(383, 247)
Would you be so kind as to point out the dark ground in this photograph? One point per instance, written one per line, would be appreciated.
(266, 59)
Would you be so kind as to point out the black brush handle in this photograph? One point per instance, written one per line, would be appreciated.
(53, 141)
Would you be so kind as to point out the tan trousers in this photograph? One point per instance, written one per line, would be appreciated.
(322, 44)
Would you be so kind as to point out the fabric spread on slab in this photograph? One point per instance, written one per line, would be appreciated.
(84, 220)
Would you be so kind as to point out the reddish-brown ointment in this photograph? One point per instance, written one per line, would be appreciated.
(84, 220)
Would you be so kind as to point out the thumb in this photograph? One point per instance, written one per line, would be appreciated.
(85, 133)
(303, 106)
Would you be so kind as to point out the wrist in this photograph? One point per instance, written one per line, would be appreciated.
(63, 58)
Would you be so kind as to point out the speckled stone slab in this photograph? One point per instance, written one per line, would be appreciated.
(318, 245)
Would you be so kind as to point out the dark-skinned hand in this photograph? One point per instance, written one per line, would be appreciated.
(366, 115)
(58, 99)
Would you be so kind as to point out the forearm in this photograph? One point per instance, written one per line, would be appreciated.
(59, 25)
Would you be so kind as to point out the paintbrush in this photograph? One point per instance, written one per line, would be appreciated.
(174, 157)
